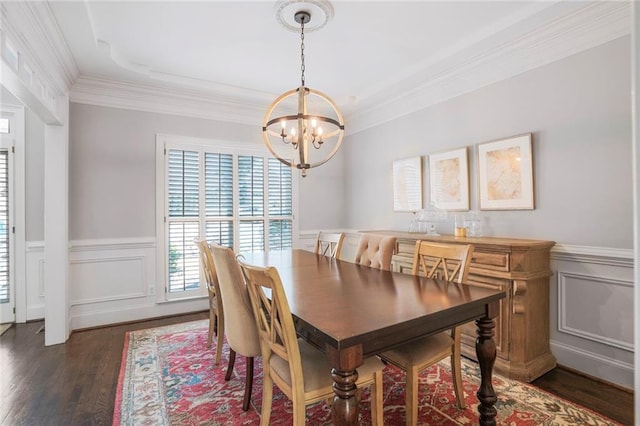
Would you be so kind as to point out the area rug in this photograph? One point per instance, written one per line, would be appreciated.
(167, 377)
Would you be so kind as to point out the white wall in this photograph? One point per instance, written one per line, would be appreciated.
(578, 110)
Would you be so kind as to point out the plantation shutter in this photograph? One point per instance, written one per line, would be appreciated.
(184, 204)
(219, 198)
(251, 203)
(4, 227)
(280, 205)
(237, 197)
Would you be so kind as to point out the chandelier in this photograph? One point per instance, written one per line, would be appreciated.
(307, 122)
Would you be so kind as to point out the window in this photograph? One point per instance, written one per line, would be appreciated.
(237, 197)
(5, 289)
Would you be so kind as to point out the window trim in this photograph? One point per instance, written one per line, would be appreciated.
(164, 141)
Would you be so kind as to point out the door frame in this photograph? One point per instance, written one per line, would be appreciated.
(17, 113)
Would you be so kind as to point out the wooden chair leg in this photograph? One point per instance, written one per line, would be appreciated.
(267, 399)
(456, 376)
(411, 397)
(248, 384)
(377, 409)
(232, 361)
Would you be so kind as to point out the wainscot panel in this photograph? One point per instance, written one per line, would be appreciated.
(110, 281)
(34, 280)
(592, 311)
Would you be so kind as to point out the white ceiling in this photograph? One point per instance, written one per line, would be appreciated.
(370, 52)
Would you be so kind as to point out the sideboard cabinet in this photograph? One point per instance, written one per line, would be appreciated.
(519, 267)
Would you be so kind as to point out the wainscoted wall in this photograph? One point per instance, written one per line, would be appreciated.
(592, 311)
(110, 281)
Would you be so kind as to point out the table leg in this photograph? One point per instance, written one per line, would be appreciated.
(345, 408)
(345, 404)
(486, 352)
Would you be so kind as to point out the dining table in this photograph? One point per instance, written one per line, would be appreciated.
(351, 312)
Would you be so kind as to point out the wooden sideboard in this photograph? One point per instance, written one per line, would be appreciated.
(521, 268)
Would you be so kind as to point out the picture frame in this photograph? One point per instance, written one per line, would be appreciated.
(449, 180)
(407, 184)
(505, 174)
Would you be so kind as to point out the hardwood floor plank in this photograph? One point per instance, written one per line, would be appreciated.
(75, 383)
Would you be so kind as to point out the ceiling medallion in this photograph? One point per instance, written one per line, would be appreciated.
(320, 12)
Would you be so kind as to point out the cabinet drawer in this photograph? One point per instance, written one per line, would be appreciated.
(490, 260)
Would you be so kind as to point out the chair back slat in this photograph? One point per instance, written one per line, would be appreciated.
(446, 261)
(208, 267)
(329, 244)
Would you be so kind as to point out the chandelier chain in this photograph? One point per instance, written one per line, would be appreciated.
(302, 51)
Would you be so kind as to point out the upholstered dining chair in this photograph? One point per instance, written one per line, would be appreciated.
(216, 310)
(449, 262)
(300, 370)
(375, 251)
(240, 326)
(329, 244)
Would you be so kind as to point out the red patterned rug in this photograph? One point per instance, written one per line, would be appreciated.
(167, 377)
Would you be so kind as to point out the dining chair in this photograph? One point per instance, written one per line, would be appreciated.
(240, 326)
(301, 371)
(329, 244)
(216, 310)
(451, 263)
(375, 251)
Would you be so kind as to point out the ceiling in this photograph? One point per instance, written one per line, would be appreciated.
(367, 54)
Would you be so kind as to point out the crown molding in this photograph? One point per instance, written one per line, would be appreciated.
(159, 99)
(550, 34)
(557, 32)
(33, 27)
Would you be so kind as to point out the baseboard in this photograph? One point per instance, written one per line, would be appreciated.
(617, 373)
(161, 317)
(93, 318)
(594, 378)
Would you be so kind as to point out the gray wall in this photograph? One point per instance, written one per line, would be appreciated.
(112, 171)
(578, 110)
(34, 176)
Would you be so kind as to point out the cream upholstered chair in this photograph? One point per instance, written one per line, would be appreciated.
(329, 244)
(376, 251)
(302, 372)
(216, 311)
(449, 262)
(240, 326)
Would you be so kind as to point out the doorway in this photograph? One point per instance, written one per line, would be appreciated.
(8, 126)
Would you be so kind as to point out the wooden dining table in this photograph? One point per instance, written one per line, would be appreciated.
(351, 312)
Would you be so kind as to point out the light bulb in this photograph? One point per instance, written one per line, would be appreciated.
(314, 123)
(283, 123)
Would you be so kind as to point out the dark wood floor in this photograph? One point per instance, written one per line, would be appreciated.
(75, 383)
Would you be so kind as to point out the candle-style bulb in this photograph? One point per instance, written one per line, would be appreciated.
(314, 123)
(283, 123)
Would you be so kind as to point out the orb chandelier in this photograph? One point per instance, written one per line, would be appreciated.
(306, 121)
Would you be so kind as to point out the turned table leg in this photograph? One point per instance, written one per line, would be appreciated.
(345, 408)
(486, 352)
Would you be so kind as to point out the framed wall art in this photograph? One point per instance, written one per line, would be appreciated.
(449, 180)
(407, 185)
(505, 174)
